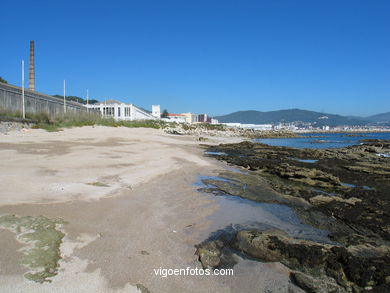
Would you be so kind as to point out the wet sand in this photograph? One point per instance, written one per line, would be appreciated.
(131, 206)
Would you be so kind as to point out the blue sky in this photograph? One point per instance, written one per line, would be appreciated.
(207, 56)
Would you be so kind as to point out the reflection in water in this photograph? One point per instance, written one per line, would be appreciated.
(237, 213)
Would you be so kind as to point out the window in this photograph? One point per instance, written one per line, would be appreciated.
(108, 111)
(119, 111)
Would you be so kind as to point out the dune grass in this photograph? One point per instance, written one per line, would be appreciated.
(80, 119)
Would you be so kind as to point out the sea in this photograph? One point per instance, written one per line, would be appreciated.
(323, 140)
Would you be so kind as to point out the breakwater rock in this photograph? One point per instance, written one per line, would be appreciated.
(204, 129)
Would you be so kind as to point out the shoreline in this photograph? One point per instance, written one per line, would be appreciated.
(346, 131)
(343, 191)
(149, 216)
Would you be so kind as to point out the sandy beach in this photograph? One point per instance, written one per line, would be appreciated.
(128, 205)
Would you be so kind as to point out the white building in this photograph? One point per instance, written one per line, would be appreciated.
(156, 112)
(122, 111)
(190, 117)
(250, 126)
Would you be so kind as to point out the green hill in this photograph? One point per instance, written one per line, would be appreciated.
(380, 118)
(291, 115)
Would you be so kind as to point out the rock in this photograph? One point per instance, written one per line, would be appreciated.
(7, 126)
(142, 288)
(205, 129)
(276, 246)
(333, 268)
(322, 199)
(249, 186)
(173, 131)
(311, 177)
(316, 285)
(210, 253)
(360, 266)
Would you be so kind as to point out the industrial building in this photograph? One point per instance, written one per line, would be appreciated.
(122, 111)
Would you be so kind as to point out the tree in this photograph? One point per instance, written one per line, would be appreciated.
(3, 80)
(164, 114)
(77, 99)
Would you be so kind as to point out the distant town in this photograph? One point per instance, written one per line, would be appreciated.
(123, 111)
(19, 99)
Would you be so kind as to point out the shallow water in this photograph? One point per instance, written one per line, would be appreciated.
(348, 185)
(322, 140)
(305, 161)
(235, 213)
(215, 153)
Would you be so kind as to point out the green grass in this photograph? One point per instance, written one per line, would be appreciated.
(89, 119)
(79, 119)
(6, 115)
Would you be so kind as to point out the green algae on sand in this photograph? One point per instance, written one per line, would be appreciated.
(98, 184)
(43, 240)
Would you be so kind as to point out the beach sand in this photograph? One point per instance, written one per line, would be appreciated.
(130, 206)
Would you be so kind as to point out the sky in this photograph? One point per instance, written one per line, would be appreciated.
(210, 56)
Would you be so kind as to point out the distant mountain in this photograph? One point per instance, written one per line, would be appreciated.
(380, 118)
(291, 115)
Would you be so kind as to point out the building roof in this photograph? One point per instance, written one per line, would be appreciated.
(171, 114)
(111, 101)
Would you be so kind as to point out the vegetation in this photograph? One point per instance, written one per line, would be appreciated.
(291, 115)
(78, 119)
(44, 121)
(3, 80)
(90, 119)
(164, 114)
(6, 115)
(77, 99)
(98, 184)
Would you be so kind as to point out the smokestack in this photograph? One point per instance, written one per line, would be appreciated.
(31, 76)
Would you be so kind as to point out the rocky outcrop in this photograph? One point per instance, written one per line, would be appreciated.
(7, 126)
(210, 253)
(316, 285)
(343, 191)
(315, 267)
(362, 265)
(362, 205)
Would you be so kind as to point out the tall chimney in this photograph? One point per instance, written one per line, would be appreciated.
(31, 75)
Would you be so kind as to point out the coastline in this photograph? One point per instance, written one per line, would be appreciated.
(343, 191)
(344, 131)
(128, 204)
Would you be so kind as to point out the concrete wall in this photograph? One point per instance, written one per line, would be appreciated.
(11, 99)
